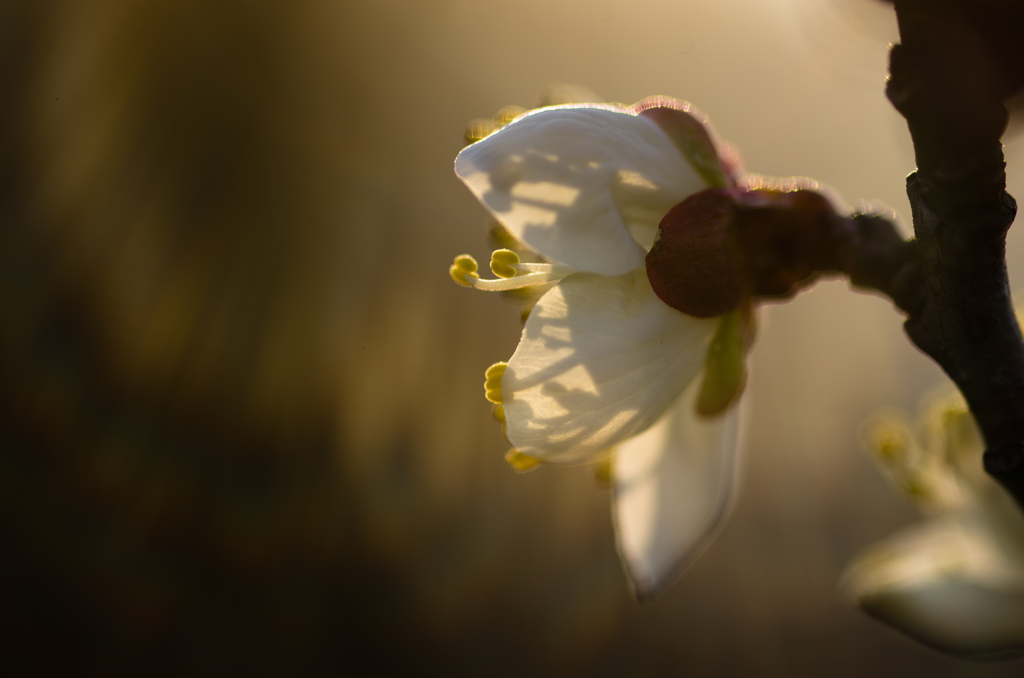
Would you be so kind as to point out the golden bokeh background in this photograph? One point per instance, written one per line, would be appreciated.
(241, 412)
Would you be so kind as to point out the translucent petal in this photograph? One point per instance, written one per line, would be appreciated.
(945, 584)
(600, 360)
(581, 185)
(672, 490)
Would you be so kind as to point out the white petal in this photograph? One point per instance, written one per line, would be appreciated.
(945, 585)
(580, 184)
(672, 490)
(600, 360)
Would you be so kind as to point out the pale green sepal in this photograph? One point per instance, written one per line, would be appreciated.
(725, 368)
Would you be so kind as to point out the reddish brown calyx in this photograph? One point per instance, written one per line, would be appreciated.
(695, 265)
(720, 250)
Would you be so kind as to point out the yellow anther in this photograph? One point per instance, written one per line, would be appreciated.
(478, 129)
(464, 266)
(498, 412)
(496, 370)
(503, 262)
(889, 438)
(492, 382)
(507, 114)
(916, 489)
(521, 463)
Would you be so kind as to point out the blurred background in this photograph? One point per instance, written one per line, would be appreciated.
(242, 424)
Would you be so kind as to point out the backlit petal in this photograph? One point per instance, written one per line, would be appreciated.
(600, 360)
(672, 489)
(581, 185)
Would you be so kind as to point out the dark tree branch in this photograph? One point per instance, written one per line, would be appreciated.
(957, 62)
(944, 81)
(879, 258)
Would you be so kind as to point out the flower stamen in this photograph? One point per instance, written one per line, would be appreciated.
(492, 383)
(506, 265)
(503, 263)
(463, 270)
(521, 463)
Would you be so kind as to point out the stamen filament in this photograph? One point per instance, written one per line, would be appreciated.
(525, 266)
(503, 284)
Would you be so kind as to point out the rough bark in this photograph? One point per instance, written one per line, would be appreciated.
(957, 62)
(944, 79)
(944, 82)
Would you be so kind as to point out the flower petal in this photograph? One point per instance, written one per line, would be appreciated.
(580, 184)
(673, 485)
(944, 585)
(600, 360)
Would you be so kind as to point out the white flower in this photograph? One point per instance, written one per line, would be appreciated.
(956, 581)
(604, 366)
